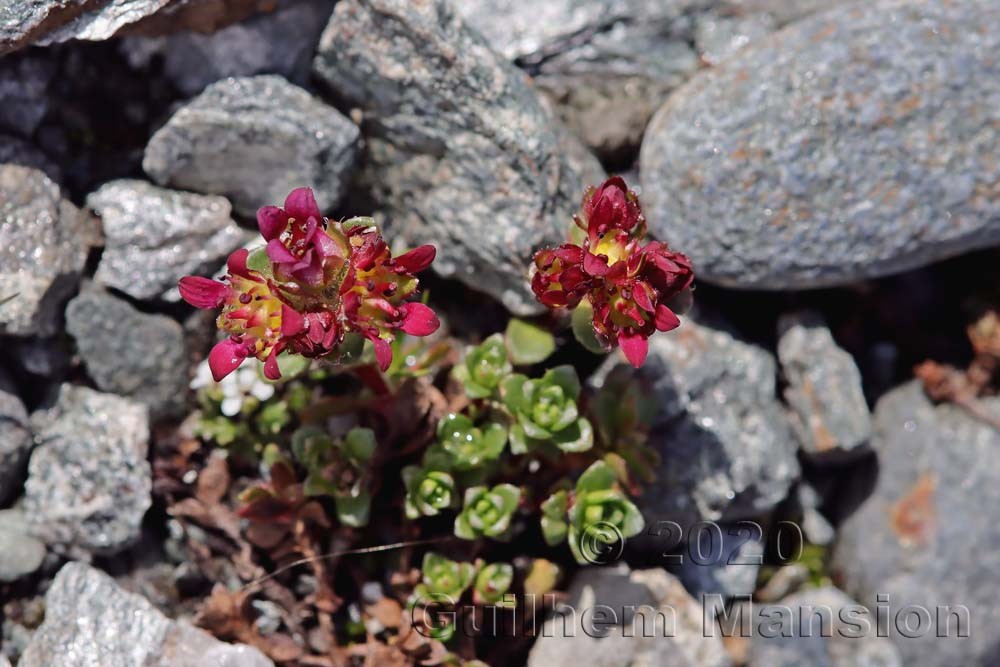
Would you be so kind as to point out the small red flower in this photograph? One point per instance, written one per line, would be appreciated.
(626, 282)
(323, 282)
(302, 247)
(252, 315)
(376, 288)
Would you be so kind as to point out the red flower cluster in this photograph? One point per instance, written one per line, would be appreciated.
(626, 282)
(320, 279)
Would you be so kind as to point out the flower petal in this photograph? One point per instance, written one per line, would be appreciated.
(417, 259)
(278, 253)
(271, 221)
(292, 322)
(237, 263)
(383, 352)
(202, 292)
(595, 265)
(301, 204)
(666, 320)
(418, 319)
(635, 346)
(225, 358)
(271, 371)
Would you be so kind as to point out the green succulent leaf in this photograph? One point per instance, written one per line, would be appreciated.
(427, 491)
(359, 445)
(487, 512)
(554, 525)
(257, 260)
(583, 328)
(493, 582)
(528, 343)
(469, 446)
(484, 368)
(353, 508)
(442, 577)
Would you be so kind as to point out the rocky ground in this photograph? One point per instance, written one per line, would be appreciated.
(831, 168)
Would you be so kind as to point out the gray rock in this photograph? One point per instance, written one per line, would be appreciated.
(254, 140)
(609, 64)
(465, 154)
(24, 81)
(922, 537)
(828, 408)
(816, 628)
(43, 247)
(814, 160)
(89, 482)
(281, 42)
(721, 562)
(15, 440)
(128, 352)
(91, 622)
(155, 236)
(617, 618)
(727, 450)
(785, 581)
(22, 554)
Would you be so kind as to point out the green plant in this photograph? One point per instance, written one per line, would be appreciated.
(492, 584)
(487, 512)
(546, 412)
(428, 492)
(339, 469)
(484, 367)
(600, 513)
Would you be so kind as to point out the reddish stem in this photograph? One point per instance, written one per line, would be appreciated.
(373, 378)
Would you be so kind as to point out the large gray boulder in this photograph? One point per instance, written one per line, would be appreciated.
(89, 482)
(91, 622)
(254, 140)
(821, 627)
(617, 618)
(155, 236)
(726, 447)
(464, 154)
(44, 241)
(128, 352)
(609, 64)
(852, 144)
(923, 538)
(823, 389)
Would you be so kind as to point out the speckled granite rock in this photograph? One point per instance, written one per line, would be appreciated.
(726, 447)
(128, 352)
(15, 439)
(609, 64)
(155, 236)
(925, 537)
(649, 604)
(254, 140)
(845, 645)
(21, 554)
(814, 159)
(43, 247)
(24, 22)
(829, 412)
(279, 42)
(91, 622)
(88, 478)
(465, 155)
